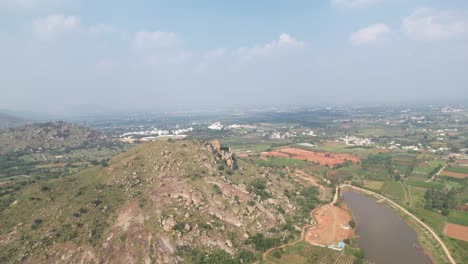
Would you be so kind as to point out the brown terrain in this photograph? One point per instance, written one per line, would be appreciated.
(329, 230)
(455, 174)
(462, 162)
(322, 158)
(456, 231)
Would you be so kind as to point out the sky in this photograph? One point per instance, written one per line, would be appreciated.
(57, 55)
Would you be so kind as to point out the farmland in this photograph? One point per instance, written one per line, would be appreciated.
(306, 253)
(456, 231)
(322, 158)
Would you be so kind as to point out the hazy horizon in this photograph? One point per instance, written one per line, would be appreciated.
(60, 55)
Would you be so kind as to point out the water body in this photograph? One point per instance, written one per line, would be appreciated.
(384, 236)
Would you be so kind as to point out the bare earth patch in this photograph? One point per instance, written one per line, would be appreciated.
(330, 229)
(455, 174)
(456, 231)
(322, 158)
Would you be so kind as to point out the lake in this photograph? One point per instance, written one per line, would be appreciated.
(383, 235)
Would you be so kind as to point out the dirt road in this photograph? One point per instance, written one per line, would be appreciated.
(304, 228)
(437, 174)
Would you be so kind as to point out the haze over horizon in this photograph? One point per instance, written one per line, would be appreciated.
(60, 54)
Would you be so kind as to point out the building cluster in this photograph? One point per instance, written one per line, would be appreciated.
(148, 135)
(219, 126)
(279, 135)
(356, 141)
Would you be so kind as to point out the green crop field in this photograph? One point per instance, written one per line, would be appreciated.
(425, 184)
(458, 169)
(393, 189)
(434, 219)
(402, 169)
(280, 162)
(305, 253)
(458, 217)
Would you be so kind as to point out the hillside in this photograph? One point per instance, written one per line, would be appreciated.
(46, 136)
(9, 121)
(163, 202)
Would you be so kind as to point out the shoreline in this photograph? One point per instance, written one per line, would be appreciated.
(414, 222)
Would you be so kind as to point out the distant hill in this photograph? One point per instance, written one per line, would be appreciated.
(46, 136)
(8, 121)
(160, 202)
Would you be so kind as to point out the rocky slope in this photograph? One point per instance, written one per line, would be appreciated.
(53, 135)
(160, 202)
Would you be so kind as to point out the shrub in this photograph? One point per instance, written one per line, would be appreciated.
(36, 223)
(217, 189)
(276, 254)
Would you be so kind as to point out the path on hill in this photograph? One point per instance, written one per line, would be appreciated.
(437, 174)
(303, 229)
(442, 244)
(302, 175)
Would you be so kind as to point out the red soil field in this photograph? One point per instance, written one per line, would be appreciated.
(454, 174)
(462, 162)
(329, 229)
(322, 158)
(456, 231)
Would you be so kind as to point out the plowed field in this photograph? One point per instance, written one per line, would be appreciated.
(322, 158)
(456, 231)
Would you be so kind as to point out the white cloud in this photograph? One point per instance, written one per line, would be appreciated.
(369, 34)
(354, 3)
(54, 24)
(284, 42)
(427, 23)
(27, 3)
(157, 39)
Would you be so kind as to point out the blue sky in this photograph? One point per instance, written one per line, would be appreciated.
(136, 55)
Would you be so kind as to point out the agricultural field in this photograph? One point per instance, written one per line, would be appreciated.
(322, 158)
(280, 162)
(374, 185)
(459, 232)
(306, 253)
(458, 169)
(425, 184)
(459, 172)
(358, 151)
(426, 168)
(394, 190)
(458, 217)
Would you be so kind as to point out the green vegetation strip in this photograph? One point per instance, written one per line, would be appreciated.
(425, 184)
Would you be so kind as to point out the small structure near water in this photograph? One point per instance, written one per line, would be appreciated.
(340, 246)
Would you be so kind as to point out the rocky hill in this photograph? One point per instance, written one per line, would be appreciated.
(160, 202)
(46, 136)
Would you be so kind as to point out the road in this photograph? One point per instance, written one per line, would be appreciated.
(442, 244)
(437, 174)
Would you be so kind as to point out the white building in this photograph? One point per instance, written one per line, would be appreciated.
(215, 126)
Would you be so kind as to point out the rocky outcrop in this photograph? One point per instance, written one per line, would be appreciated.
(225, 154)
